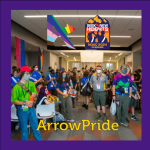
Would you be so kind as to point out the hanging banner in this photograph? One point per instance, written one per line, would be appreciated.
(20, 52)
(97, 34)
(40, 59)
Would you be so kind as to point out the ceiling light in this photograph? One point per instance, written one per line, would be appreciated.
(110, 58)
(88, 16)
(116, 56)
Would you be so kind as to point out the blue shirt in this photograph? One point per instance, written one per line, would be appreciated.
(35, 76)
(51, 84)
(90, 75)
(62, 86)
(116, 73)
(68, 75)
(84, 80)
(108, 76)
(56, 75)
(16, 79)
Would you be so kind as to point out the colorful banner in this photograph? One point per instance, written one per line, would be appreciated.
(40, 59)
(20, 52)
(62, 32)
(97, 34)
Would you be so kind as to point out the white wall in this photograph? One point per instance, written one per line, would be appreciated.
(137, 46)
(64, 63)
(120, 62)
(136, 60)
(54, 61)
(13, 61)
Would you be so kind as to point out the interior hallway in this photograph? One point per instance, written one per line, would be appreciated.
(132, 132)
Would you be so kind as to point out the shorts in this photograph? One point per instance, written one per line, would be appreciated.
(99, 98)
(85, 93)
(133, 102)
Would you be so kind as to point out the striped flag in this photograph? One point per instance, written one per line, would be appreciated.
(40, 59)
(20, 52)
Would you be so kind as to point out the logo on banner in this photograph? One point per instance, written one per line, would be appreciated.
(97, 34)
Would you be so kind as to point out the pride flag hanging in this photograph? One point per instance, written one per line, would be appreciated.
(40, 59)
(20, 52)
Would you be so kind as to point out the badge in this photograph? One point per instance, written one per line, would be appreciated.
(25, 108)
(98, 86)
(126, 90)
(64, 91)
(67, 84)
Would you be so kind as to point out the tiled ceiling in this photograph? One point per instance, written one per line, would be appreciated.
(118, 26)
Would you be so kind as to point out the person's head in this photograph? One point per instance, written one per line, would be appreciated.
(75, 69)
(49, 68)
(71, 73)
(105, 71)
(83, 69)
(123, 69)
(93, 71)
(63, 77)
(40, 84)
(35, 68)
(14, 67)
(43, 91)
(52, 71)
(62, 69)
(86, 74)
(25, 73)
(16, 72)
(41, 73)
(132, 76)
(99, 69)
(57, 70)
(117, 70)
(68, 71)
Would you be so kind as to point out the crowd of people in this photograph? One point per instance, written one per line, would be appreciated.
(96, 85)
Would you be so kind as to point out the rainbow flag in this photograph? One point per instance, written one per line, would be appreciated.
(20, 52)
(40, 59)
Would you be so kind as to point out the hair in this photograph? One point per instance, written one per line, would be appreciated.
(131, 74)
(83, 68)
(73, 78)
(34, 66)
(42, 91)
(139, 70)
(49, 68)
(98, 66)
(86, 74)
(60, 79)
(74, 68)
(14, 67)
(39, 83)
(15, 70)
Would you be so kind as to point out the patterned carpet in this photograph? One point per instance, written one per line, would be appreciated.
(132, 132)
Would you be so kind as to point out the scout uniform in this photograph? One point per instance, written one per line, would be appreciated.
(35, 76)
(99, 87)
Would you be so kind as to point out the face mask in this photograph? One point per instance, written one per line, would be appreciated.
(93, 71)
(64, 76)
(98, 71)
(36, 69)
(124, 71)
(132, 79)
(26, 77)
(105, 72)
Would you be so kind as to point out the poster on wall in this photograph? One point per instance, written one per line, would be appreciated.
(97, 34)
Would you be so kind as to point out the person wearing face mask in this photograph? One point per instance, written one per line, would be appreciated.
(49, 71)
(15, 77)
(107, 75)
(35, 76)
(122, 89)
(99, 81)
(63, 88)
(115, 73)
(20, 97)
(135, 97)
(51, 81)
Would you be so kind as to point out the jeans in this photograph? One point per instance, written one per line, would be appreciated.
(23, 117)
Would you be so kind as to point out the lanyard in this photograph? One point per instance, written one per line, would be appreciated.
(26, 91)
(98, 79)
(64, 85)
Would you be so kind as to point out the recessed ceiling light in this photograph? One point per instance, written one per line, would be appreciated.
(28, 48)
(76, 16)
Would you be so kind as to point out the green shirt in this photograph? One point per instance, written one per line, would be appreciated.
(19, 94)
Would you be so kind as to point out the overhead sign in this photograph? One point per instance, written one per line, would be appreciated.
(97, 34)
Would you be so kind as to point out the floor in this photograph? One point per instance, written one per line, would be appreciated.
(132, 132)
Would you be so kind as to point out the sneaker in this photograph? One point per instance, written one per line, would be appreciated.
(71, 120)
(73, 106)
(17, 127)
(127, 120)
(97, 117)
(107, 106)
(91, 101)
(105, 119)
(134, 118)
(125, 124)
(86, 107)
(83, 105)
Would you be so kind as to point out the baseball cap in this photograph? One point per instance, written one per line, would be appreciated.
(62, 69)
(25, 68)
